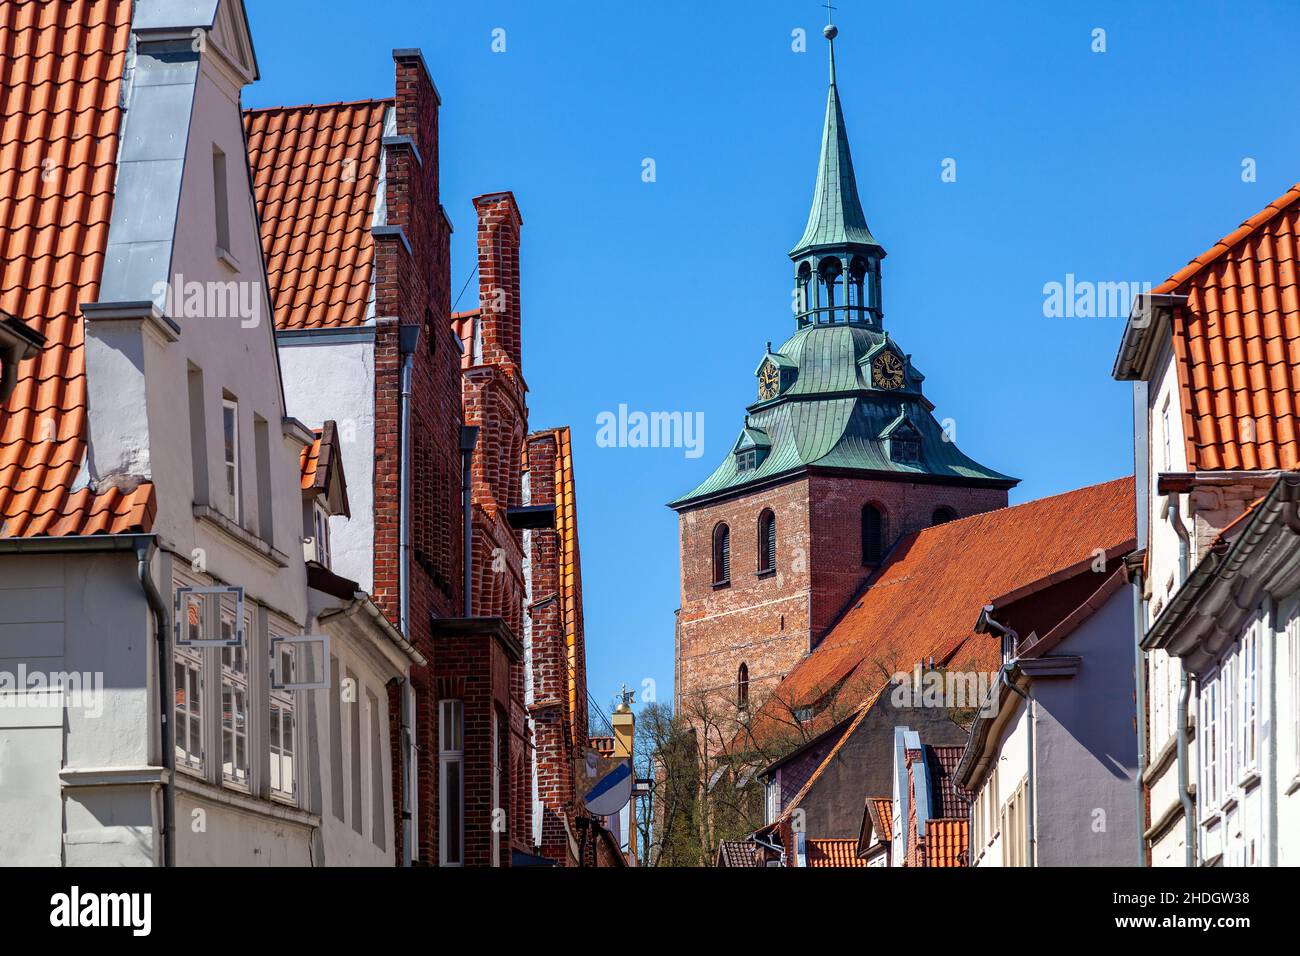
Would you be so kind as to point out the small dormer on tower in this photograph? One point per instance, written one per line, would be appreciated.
(837, 261)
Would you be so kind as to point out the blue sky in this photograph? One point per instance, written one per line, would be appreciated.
(1115, 166)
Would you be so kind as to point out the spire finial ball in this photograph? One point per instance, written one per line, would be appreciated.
(830, 31)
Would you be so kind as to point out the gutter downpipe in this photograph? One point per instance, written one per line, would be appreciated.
(144, 556)
(1009, 641)
(1184, 796)
(1184, 697)
(408, 339)
(1140, 673)
(468, 442)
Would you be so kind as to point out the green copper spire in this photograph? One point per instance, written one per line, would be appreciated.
(836, 218)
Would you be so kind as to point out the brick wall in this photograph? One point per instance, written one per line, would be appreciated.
(412, 287)
(770, 621)
(494, 399)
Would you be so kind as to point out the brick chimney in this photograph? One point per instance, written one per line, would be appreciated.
(499, 223)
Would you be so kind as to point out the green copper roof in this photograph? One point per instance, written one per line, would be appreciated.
(836, 218)
(831, 417)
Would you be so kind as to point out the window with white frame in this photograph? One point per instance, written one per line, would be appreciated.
(1209, 735)
(1293, 644)
(230, 457)
(188, 693)
(283, 725)
(234, 706)
(1229, 731)
(1166, 437)
(1015, 827)
(451, 773)
(321, 532)
(1248, 665)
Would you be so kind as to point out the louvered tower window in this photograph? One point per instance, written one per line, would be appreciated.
(721, 555)
(873, 534)
(766, 542)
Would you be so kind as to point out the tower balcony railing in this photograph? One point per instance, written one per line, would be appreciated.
(840, 315)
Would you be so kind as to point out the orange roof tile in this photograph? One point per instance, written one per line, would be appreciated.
(897, 620)
(1237, 344)
(315, 169)
(832, 852)
(61, 66)
(308, 459)
(946, 842)
(882, 815)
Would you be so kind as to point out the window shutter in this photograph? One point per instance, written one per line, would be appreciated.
(724, 556)
(769, 544)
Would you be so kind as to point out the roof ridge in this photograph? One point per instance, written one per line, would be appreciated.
(1226, 243)
(305, 107)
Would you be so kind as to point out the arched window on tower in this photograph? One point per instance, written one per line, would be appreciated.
(873, 535)
(766, 542)
(830, 272)
(804, 285)
(721, 555)
(942, 515)
(857, 289)
(742, 686)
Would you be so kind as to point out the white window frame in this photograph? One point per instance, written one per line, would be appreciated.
(1208, 733)
(237, 682)
(1167, 437)
(187, 675)
(282, 714)
(1293, 662)
(451, 752)
(233, 485)
(1248, 666)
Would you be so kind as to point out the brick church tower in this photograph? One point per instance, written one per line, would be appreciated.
(838, 457)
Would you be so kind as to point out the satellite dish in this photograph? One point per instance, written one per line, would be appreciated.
(612, 792)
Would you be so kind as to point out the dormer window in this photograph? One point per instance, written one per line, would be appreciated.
(747, 460)
(905, 449)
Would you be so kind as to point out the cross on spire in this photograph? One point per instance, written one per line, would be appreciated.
(829, 8)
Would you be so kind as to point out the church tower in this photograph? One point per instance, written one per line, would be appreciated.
(838, 457)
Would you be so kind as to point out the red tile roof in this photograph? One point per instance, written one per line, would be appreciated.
(737, 853)
(1237, 344)
(946, 842)
(315, 169)
(832, 852)
(881, 810)
(60, 85)
(897, 621)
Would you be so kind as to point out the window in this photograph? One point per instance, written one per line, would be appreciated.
(721, 555)
(321, 535)
(265, 495)
(905, 449)
(221, 198)
(772, 805)
(747, 460)
(1165, 437)
(1248, 666)
(198, 437)
(1209, 744)
(1015, 827)
(742, 686)
(873, 534)
(942, 515)
(354, 753)
(1293, 641)
(451, 768)
(376, 771)
(230, 434)
(283, 728)
(188, 692)
(496, 786)
(234, 707)
(766, 542)
(336, 741)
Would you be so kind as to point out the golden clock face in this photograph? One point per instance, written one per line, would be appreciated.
(769, 381)
(887, 371)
